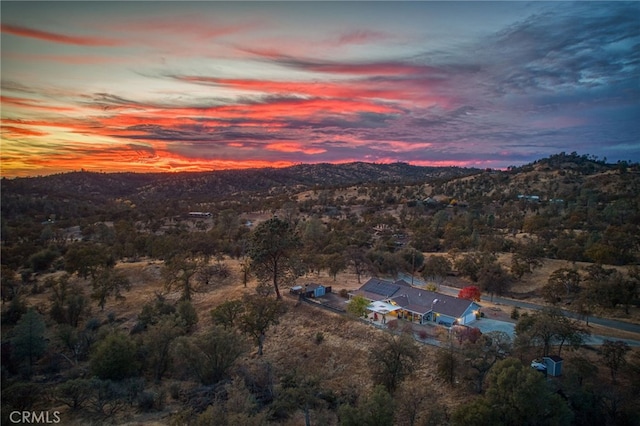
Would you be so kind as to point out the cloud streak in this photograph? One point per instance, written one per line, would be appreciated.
(21, 31)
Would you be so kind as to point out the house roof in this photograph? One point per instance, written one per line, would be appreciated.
(554, 358)
(414, 299)
(377, 289)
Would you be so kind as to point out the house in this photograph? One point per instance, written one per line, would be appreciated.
(416, 304)
(200, 214)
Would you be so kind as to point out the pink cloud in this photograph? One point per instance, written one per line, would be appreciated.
(69, 59)
(58, 38)
(188, 24)
(362, 37)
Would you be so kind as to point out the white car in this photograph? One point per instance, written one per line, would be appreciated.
(538, 365)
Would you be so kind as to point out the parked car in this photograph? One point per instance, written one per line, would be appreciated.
(538, 365)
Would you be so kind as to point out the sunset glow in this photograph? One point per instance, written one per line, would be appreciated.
(194, 86)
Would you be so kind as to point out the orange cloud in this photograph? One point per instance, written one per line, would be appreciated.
(293, 147)
(31, 104)
(342, 89)
(13, 132)
(123, 158)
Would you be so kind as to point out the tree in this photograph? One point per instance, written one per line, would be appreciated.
(334, 262)
(467, 334)
(357, 306)
(28, 343)
(227, 313)
(413, 259)
(68, 301)
(613, 355)
(74, 393)
(493, 278)
(563, 284)
(87, 259)
(549, 326)
(417, 404)
(187, 314)
(447, 363)
(395, 358)
(158, 340)
(516, 395)
(377, 409)
(107, 283)
(484, 353)
(180, 272)
(259, 315)
(299, 391)
(526, 258)
(209, 356)
(356, 257)
(10, 284)
(471, 292)
(436, 266)
(114, 358)
(273, 252)
(605, 286)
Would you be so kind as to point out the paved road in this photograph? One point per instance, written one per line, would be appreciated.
(486, 325)
(619, 325)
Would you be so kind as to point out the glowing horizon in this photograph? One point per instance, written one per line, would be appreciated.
(199, 86)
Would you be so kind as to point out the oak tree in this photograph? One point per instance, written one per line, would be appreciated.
(259, 315)
(274, 253)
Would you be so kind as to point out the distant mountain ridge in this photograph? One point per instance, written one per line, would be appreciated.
(226, 182)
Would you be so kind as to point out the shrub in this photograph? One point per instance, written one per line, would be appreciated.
(515, 313)
(319, 337)
(175, 390)
(115, 358)
(74, 393)
(188, 314)
(149, 401)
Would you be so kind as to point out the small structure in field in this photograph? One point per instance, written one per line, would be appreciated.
(554, 365)
(310, 290)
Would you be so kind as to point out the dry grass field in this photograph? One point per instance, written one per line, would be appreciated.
(340, 359)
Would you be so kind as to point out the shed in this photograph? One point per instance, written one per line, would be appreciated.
(554, 365)
(314, 290)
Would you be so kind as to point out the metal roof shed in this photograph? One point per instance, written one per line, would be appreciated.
(554, 365)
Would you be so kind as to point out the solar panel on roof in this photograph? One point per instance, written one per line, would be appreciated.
(382, 288)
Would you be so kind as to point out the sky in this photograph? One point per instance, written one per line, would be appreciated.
(170, 86)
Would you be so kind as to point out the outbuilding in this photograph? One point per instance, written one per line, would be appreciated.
(315, 290)
(554, 365)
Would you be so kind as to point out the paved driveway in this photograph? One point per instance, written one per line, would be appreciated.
(486, 325)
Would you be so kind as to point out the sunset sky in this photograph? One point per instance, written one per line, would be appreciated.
(191, 86)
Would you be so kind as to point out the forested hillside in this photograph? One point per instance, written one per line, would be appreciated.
(163, 298)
